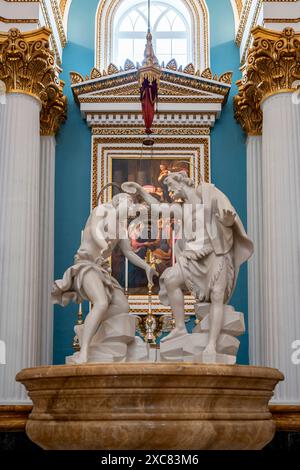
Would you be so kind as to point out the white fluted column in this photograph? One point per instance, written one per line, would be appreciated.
(19, 239)
(255, 276)
(47, 182)
(281, 240)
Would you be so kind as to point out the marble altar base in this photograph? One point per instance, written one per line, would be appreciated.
(150, 406)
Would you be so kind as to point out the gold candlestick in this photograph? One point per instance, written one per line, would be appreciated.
(76, 345)
(150, 321)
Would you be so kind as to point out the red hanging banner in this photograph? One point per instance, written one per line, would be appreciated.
(149, 95)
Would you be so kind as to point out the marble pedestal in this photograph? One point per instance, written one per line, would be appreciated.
(172, 406)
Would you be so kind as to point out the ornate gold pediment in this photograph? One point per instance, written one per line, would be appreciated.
(117, 84)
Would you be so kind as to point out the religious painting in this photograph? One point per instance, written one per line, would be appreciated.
(150, 173)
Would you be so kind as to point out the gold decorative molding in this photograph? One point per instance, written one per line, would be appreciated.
(129, 66)
(18, 21)
(273, 66)
(54, 113)
(258, 8)
(113, 143)
(244, 14)
(62, 6)
(59, 22)
(157, 130)
(117, 85)
(48, 24)
(282, 20)
(28, 66)
(247, 109)
(239, 6)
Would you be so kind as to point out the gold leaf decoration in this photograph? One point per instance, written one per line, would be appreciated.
(95, 73)
(207, 73)
(112, 69)
(247, 108)
(190, 69)
(76, 78)
(226, 77)
(54, 113)
(129, 65)
(172, 65)
(274, 60)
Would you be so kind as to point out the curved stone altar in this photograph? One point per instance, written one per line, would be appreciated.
(150, 406)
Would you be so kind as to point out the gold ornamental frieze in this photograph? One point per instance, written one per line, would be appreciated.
(174, 81)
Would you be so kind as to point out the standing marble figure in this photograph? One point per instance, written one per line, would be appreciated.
(90, 279)
(209, 267)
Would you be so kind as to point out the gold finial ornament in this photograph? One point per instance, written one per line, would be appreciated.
(27, 65)
(150, 69)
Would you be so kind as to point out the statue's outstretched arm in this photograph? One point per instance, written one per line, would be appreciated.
(134, 188)
(136, 260)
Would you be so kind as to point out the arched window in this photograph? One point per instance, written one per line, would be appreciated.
(180, 30)
(171, 29)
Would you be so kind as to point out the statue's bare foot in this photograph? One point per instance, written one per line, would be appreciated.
(210, 349)
(80, 358)
(176, 333)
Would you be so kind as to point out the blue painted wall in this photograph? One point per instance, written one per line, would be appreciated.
(73, 167)
(73, 163)
(227, 139)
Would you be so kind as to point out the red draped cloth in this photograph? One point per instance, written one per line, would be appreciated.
(149, 93)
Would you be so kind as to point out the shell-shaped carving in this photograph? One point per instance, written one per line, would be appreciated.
(190, 69)
(226, 77)
(112, 68)
(207, 74)
(76, 78)
(129, 65)
(172, 65)
(95, 73)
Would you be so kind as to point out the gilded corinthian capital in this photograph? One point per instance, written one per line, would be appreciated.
(273, 66)
(27, 65)
(273, 63)
(54, 113)
(247, 109)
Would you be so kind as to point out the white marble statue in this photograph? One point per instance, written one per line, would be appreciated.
(209, 270)
(108, 330)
